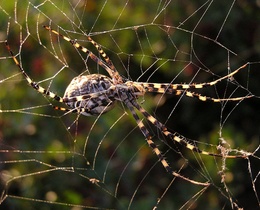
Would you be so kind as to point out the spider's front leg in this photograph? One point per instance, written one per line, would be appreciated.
(30, 81)
(188, 89)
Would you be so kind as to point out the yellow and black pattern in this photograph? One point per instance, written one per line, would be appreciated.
(108, 66)
(96, 94)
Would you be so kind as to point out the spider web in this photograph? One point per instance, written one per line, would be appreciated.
(56, 160)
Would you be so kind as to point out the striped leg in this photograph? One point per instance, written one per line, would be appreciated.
(103, 54)
(168, 88)
(155, 149)
(85, 110)
(36, 86)
(207, 98)
(108, 65)
(91, 104)
(178, 137)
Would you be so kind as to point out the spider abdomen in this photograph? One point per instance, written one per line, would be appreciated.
(88, 93)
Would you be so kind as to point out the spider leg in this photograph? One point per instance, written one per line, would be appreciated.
(69, 110)
(36, 86)
(102, 53)
(108, 66)
(178, 137)
(206, 98)
(79, 110)
(91, 104)
(116, 75)
(155, 149)
(110, 93)
(169, 88)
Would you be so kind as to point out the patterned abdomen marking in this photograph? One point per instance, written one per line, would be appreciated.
(81, 94)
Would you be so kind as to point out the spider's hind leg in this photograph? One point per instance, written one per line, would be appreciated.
(155, 149)
(179, 138)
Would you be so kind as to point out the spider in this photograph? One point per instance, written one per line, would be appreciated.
(96, 94)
